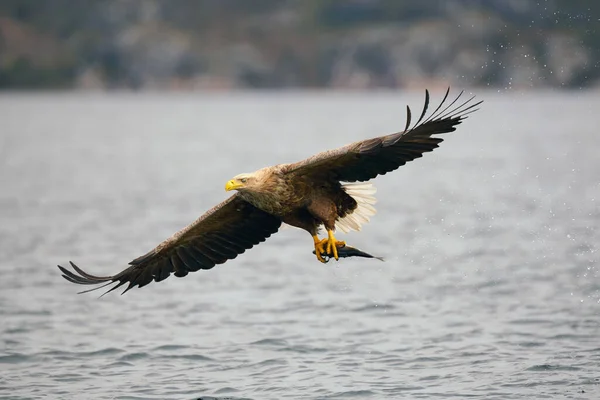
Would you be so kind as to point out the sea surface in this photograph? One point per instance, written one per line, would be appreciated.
(490, 288)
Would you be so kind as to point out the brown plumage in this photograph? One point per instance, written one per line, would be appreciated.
(308, 194)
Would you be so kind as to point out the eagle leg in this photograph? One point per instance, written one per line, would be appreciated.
(327, 247)
(320, 248)
(333, 244)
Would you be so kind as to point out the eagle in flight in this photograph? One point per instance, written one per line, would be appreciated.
(329, 190)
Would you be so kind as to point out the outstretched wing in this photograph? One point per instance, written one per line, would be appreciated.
(219, 235)
(364, 160)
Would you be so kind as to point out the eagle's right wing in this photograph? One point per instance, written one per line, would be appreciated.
(364, 160)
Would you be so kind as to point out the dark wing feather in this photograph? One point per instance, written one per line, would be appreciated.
(364, 160)
(219, 235)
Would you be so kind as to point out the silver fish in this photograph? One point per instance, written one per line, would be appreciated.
(348, 251)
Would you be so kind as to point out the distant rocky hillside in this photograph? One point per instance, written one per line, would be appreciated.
(224, 44)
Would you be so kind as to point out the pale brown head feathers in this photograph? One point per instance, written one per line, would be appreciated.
(249, 182)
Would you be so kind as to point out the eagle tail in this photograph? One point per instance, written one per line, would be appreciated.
(364, 195)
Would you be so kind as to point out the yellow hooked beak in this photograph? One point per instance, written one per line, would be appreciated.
(232, 185)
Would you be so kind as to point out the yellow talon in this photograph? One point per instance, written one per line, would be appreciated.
(319, 249)
(332, 244)
(327, 246)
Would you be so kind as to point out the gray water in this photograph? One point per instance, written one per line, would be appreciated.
(491, 286)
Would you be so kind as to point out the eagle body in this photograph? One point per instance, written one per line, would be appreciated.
(328, 190)
(301, 201)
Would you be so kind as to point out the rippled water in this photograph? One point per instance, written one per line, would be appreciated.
(490, 289)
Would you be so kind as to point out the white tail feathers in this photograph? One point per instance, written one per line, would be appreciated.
(363, 193)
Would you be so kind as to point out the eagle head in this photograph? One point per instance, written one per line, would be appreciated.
(241, 182)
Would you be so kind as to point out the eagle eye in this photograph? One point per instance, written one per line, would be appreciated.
(243, 180)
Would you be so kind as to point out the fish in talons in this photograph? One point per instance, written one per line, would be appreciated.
(345, 251)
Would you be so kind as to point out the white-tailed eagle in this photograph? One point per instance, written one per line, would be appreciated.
(329, 190)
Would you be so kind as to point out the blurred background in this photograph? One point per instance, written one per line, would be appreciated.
(240, 44)
(121, 121)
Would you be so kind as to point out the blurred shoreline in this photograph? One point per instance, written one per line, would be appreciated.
(231, 45)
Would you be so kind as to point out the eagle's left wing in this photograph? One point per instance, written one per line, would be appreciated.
(221, 234)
